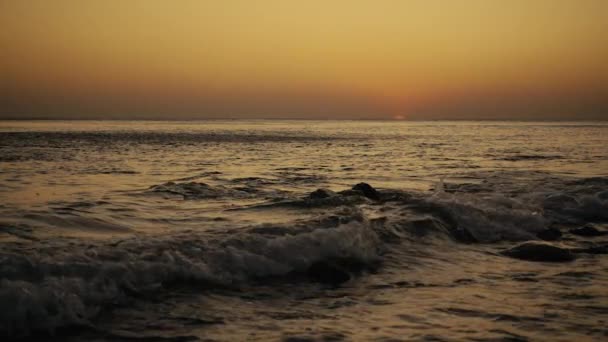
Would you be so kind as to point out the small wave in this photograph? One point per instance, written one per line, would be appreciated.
(200, 175)
(104, 170)
(489, 315)
(487, 218)
(524, 157)
(110, 138)
(76, 222)
(35, 154)
(194, 190)
(565, 208)
(42, 292)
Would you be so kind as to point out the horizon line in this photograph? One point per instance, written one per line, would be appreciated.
(315, 119)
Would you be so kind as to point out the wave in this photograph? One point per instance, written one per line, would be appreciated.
(523, 157)
(43, 289)
(195, 190)
(41, 292)
(488, 218)
(110, 138)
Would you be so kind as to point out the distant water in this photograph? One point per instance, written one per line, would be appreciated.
(212, 230)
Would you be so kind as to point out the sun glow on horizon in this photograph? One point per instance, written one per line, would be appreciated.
(319, 59)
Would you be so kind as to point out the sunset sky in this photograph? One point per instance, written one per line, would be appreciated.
(330, 59)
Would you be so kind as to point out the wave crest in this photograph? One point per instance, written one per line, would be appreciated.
(52, 291)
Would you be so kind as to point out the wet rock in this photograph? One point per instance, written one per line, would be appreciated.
(321, 193)
(549, 234)
(587, 230)
(367, 190)
(539, 251)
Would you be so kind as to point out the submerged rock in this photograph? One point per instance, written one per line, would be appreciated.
(539, 251)
(587, 230)
(367, 190)
(549, 234)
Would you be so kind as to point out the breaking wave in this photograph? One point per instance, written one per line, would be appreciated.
(42, 292)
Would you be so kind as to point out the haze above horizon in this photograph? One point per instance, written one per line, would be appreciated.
(237, 59)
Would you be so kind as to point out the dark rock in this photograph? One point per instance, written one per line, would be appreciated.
(539, 251)
(587, 230)
(321, 193)
(549, 234)
(367, 190)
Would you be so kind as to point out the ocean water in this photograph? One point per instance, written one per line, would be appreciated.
(214, 230)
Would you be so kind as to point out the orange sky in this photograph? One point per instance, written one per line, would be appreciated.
(377, 59)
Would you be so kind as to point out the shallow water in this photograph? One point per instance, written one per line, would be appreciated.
(205, 230)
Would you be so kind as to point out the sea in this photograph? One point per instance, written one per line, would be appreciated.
(288, 230)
